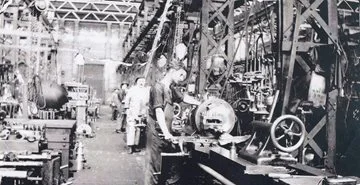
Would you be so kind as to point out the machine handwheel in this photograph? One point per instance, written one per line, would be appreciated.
(177, 109)
(287, 133)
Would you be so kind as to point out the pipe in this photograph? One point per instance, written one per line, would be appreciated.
(215, 174)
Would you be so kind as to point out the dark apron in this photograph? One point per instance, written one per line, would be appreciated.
(154, 147)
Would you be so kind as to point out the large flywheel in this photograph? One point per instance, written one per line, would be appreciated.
(287, 133)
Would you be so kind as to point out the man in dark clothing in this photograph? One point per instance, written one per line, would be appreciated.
(122, 114)
(161, 113)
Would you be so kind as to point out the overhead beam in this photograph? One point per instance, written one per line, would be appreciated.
(121, 12)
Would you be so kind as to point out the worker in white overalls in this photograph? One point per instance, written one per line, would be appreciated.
(136, 102)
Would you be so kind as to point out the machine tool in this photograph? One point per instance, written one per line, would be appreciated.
(46, 135)
(212, 121)
(272, 143)
(47, 157)
(30, 168)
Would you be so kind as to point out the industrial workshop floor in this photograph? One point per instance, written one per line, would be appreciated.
(107, 157)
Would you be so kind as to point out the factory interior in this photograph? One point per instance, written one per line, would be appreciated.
(179, 92)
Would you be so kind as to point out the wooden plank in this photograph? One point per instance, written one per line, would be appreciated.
(44, 156)
(13, 174)
(303, 47)
(20, 164)
(316, 148)
(315, 130)
(303, 64)
(309, 138)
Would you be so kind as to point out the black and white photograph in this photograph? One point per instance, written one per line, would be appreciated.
(179, 92)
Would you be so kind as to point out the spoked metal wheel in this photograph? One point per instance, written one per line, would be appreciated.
(287, 133)
(177, 109)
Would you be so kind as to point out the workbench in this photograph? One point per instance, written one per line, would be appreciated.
(59, 134)
(42, 168)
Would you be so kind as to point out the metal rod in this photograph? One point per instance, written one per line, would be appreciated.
(215, 174)
(273, 106)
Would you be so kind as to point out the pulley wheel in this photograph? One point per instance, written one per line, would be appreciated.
(177, 109)
(287, 133)
(216, 108)
(243, 106)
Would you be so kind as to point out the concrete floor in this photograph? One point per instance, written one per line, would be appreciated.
(107, 157)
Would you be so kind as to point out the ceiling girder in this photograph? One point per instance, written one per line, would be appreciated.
(120, 12)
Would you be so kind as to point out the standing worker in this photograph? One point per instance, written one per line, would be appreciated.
(136, 102)
(115, 104)
(122, 114)
(161, 113)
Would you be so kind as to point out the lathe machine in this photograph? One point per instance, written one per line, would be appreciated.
(263, 157)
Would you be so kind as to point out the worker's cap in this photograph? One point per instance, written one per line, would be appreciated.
(124, 82)
(139, 77)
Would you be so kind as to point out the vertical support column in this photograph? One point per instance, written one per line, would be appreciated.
(201, 80)
(146, 12)
(37, 65)
(230, 43)
(15, 11)
(58, 63)
(332, 19)
(138, 28)
(132, 36)
(45, 61)
(128, 39)
(27, 72)
(332, 96)
(247, 39)
(122, 40)
(1, 27)
(53, 53)
(288, 70)
(108, 66)
(75, 47)
(108, 43)
(284, 37)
